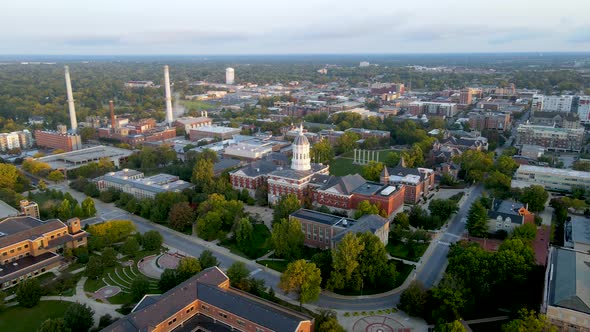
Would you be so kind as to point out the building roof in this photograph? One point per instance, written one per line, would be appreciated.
(344, 185)
(570, 280)
(257, 168)
(296, 175)
(320, 217)
(7, 210)
(16, 229)
(552, 171)
(207, 288)
(580, 230)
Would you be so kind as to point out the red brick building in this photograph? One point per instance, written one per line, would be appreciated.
(58, 140)
(418, 182)
(207, 302)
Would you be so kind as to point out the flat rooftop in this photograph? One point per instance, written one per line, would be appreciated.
(73, 159)
(7, 210)
(216, 129)
(552, 171)
(319, 217)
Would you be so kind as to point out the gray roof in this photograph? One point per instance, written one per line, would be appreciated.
(345, 184)
(7, 210)
(301, 140)
(581, 230)
(259, 167)
(296, 175)
(570, 283)
(320, 217)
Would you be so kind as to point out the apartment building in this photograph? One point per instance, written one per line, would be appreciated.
(552, 138)
(554, 179)
(207, 302)
(16, 140)
(552, 103)
(433, 108)
(29, 209)
(496, 121)
(418, 182)
(30, 247)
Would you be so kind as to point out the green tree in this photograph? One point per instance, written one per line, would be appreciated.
(499, 183)
(449, 297)
(42, 185)
(454, 326)
(188, 267)
(401, 219)
(64, 211)
(347, 142)
(130, 247)
(372, 260)
(207, 259)
(365, 208)
(287, 239)
(529, 321)
(209, 226)
(152, 240)
(168, 280)
(181, 216)
(414, 299)
(28, 293)
(139, 287)
(372, 171)
(535, 196)
(2, 298)
(443, 208)
(526, 232)
(286, 205)
(112, 231)
(109, 257)
(56, 176)
(302, 279)
(53, 325)
(475, 164)
(477, 220)
(238, 275)
(8, 175)
(88, 208)
(506, 165)
(203, 174)
(94, 267)
(78, 317)
(322, 152)
(581, 165)
(345, 261)
(244, 232)
(327, 321)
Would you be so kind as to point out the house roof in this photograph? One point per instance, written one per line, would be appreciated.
(257, 168)
(344, 185)
(570, 282)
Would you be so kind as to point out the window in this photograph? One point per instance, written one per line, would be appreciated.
(222, 314)
(4, 253)
(12, 251)
(241, 323)
(26, 246)
(204, 307)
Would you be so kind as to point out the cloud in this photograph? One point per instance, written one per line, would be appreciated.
(91, 41)
(516, 35)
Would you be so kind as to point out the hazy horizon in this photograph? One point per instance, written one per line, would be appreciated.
(306, 27)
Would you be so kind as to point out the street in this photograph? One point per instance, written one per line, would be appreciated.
(428, 272)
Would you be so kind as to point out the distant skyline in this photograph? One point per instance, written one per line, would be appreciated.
(304, 27)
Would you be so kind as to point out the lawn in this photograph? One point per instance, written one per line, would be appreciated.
(401, 250)
(259, 247)
(197, 105)
(279, 266)
(341, 167)
(20, 319)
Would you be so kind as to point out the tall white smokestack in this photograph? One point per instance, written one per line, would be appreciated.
(71, 101)
(169, 115)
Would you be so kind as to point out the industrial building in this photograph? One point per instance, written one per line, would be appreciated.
(59, 139)
(134, 183)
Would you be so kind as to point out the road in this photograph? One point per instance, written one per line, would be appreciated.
(429, 270)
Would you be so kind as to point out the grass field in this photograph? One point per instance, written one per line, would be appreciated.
(259, 246)
(197, 105)
(343, 164)
(280, 266)
(20, 319)
(401, 250)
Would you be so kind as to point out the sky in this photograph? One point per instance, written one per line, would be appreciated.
(121, 27)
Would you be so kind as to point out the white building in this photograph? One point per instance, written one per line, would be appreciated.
(301, 160)
(584, 109)
(229, 76)
(552, 103)
(554, 179)
(134, 183)
(16, 140)
(364, 64)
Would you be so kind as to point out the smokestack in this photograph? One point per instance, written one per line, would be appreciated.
(112, 107)
(169, 115)
(71, 101)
